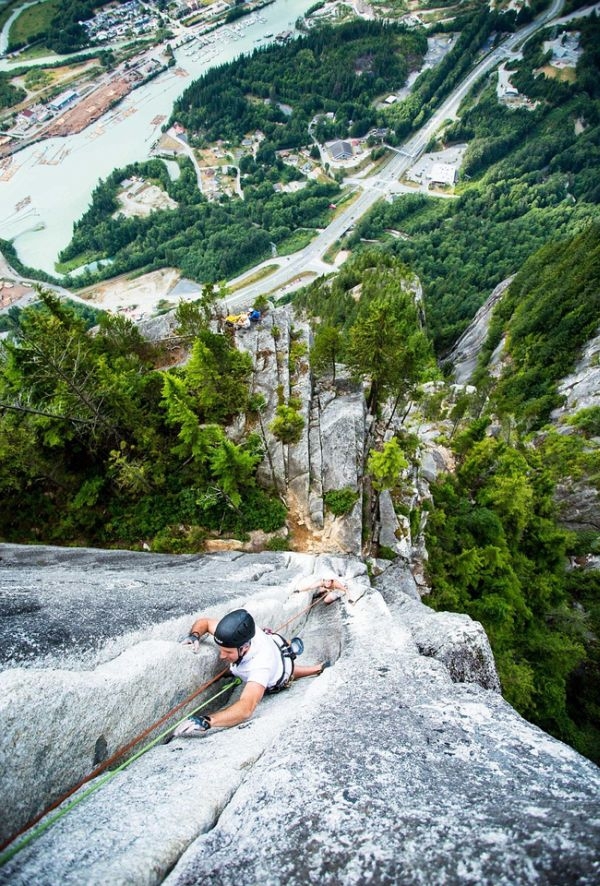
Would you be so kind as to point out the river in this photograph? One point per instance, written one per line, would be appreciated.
(48, 186)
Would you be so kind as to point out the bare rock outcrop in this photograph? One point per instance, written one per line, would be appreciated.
(465, 352)
(400, 764)
(410, 779)
(329, 453)
(91, 652)
(578, 505)
(581, 389)
(455, 640)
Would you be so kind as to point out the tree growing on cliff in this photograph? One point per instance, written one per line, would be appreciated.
(326, 350)
(192, 317)
(62, 375)
(496, 553)
(386, 344)
(288, 424)
(91, 453)
(386, 465)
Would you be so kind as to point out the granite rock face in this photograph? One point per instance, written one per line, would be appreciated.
(578, 505)
(455, 640)
(465, 354)
(577, 499)
(399, 775)
(581, 388)
(329, 454)
(111, 662)
(397, 765)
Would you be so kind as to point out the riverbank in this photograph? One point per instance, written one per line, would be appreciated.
(35, 183)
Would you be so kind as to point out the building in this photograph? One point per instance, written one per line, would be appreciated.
(65, 98)
(443, 174)
(25, 118)
(340, 150)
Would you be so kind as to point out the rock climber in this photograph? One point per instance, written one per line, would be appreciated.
(264, 661)
(331, 588)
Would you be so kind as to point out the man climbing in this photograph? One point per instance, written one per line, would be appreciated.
(264, 662)
(332, 589)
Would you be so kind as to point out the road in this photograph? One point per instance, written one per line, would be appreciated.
(293, 270)
(9, 22)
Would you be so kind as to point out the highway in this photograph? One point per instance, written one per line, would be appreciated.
(293, 270)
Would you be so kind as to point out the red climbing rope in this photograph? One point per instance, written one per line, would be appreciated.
(120, 752)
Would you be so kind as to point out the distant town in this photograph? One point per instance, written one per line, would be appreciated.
(128, 30)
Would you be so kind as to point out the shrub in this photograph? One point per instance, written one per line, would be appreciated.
(386, 465)
(587, 420)
(260, 511)
(278, 544)
(288, 424)
(415, 522)
(340, 501)
(178, 540)
(261, 303)
(256, 403)
(386, 553)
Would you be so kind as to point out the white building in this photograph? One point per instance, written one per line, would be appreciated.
(61, 101)
(443, 174)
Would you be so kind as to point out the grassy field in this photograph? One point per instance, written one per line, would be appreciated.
(33, 20)
(252, 278)
(67, 267)
(297, 240)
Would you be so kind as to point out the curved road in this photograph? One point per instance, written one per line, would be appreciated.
(4, 33)
(293, 268)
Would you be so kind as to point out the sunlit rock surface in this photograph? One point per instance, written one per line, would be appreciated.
(99, 652)
(581, 389)
(394, 766)
(399, 775)
(465, 354)
(455, 640)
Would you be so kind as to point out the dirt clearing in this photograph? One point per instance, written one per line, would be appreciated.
(138, 297)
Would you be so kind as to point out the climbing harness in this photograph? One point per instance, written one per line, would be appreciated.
(30, 832)
(288, 650)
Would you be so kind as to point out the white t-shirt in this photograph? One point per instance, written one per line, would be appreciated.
(262, 663)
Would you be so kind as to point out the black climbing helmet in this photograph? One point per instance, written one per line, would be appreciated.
(235, 629)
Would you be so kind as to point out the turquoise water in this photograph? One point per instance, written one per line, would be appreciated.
(52, 182)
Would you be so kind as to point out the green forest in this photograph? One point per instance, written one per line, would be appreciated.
(551, 310)
(279, 89)
(208, 241)
(101, 443)
(211, 241)
(527, 206)
(496, 546)
(9, 94)
(495, 537)
(528, 177)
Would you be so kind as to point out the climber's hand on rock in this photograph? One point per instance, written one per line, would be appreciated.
(193, 727)
(192, 640)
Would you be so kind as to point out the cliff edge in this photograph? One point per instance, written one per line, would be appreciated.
(401, 763)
